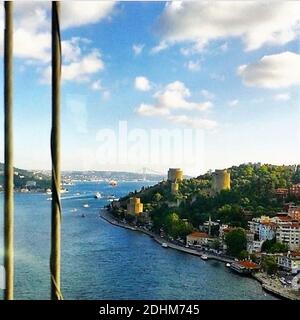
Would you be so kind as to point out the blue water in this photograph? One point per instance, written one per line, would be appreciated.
(100, 261)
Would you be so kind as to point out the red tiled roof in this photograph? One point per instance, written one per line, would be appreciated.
(295, 254)
(248, 264)
(198, 234)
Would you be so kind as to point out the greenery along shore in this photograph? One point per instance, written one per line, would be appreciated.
(251, 195)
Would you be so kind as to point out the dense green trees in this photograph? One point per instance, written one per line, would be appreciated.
(236, 242)
(271, 246)
(269, 264)
(251, 194)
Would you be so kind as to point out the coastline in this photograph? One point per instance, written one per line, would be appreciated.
(267, 284)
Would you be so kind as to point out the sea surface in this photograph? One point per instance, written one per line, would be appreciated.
(101, 261)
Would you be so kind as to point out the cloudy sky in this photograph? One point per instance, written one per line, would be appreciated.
(229, 70)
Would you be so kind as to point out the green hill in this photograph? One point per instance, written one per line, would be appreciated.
(251, 194)
(27, 179)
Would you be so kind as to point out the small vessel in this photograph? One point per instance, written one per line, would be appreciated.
(83, 215)
(49, 191)
(85, 205)
(97, 195)
(164, 245)
(204, 257)
(73, 210)
(113, 183)
(63, 190)
(228, 265)
(49, 199)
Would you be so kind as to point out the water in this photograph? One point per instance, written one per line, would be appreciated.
(100, 261)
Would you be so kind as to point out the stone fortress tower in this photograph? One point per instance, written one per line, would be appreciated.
(175, 175)
(220, 181)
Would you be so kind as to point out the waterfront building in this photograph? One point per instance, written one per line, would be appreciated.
(134, 207)
(254, 246)
(290, 261)
(197, 238)
(289, 233)
(175, 175)
(294, 212)
(220, 181)
(264, 228)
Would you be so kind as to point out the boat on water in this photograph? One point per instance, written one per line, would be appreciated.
(164, 245)
(97, 195)
(83, 215)
(228, 265)
(204, 257)
(73, 210)
(49, 191)
(113, 183)
(86, 205)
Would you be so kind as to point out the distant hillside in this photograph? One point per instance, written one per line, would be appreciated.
(116, 175)
(31, 180)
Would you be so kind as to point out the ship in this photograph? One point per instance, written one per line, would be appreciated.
(113, 183)
(164, 245)
(97, 195)
(204, 257)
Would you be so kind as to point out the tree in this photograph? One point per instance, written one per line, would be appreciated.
(157, 197)
(271, 246)
(236, 242)
(269, 264)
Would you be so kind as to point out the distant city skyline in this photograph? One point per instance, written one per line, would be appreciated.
(227, 70)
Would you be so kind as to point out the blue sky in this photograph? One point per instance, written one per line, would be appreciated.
(210, 68)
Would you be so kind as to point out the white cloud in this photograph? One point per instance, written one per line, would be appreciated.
(32, 26)
(193, 65)
(172, 97)
(97, 86)
(233, 103)
(193, 122)
(137, 49)
(160, 47)
(256, 23)
(282, 97)
(273, 71)
(78, 13)
(142, 84)
(149, 110)
(207, 94)
(79, 71)
(224, 47)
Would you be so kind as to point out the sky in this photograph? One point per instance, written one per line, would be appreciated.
(197, 85)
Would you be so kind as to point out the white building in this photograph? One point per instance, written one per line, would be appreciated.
(254, 246)
(290, 262)
(263, 227)
(289, 233)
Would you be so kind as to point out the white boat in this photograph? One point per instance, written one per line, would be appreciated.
(204, 257)
(86, 205)
(164, 245)
(73, 210)
(227, 265)
(98, 195)
(48, 191)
